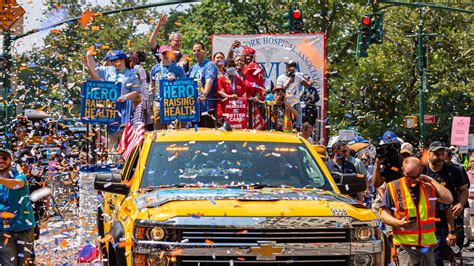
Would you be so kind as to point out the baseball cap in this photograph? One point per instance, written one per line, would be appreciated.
(278, 87)
(248, 51)
(291, 63)
(114, 55)
(437, 145)
(406, 148)
(389, 136)
(164, 49)
(2, 150)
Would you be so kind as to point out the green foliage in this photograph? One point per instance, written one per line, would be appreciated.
(65, 48)
(373, 93)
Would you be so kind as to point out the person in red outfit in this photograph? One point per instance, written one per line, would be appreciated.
(254, 76)
(229, 86)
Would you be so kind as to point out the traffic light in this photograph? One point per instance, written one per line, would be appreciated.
(294, 20)
(287, 16)
(364, 38)
(297, 16)
(410, 121)
(377, 28)
(370, 31)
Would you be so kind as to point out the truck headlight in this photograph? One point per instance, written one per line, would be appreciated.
(363, 233)
(156, 233)
(363, 260)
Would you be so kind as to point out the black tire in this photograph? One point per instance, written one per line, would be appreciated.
(116, 256)
(111, 258)
(120, 258)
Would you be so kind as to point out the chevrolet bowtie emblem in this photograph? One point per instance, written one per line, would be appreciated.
(267, 251)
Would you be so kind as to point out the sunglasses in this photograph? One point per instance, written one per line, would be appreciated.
(5, 157)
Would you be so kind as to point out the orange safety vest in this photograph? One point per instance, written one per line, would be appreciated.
(422, 232)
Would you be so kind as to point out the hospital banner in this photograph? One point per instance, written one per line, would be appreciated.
(273, 51)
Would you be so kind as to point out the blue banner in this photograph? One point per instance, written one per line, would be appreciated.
(178, 100)
(99, 102)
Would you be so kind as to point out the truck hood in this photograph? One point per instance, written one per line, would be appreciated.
(163, 204)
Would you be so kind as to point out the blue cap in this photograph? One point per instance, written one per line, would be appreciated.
(389, 136)
(270, 97)
(114, 55)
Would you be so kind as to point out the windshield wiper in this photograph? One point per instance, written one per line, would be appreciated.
(181, 185)
(259, 186)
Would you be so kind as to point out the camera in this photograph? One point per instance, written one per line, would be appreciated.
(290, 74)
(389, 151)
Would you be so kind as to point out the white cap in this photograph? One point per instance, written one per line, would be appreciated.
(406, 148)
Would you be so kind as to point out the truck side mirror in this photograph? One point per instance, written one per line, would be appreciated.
(110, 183)
(351, 183)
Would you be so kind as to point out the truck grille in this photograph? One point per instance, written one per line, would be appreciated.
(220, 235)
(280, 260)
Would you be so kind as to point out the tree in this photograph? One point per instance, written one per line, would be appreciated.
(374, 93)
(65, 48)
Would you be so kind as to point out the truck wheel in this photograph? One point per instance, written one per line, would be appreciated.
(120, 258)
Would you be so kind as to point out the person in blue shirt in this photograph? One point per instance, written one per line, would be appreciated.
(130, 86)
(17, 221)
(339, 165)
(166, 69)
(205, 72)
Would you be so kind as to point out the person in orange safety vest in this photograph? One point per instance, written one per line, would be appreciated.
(409, 206)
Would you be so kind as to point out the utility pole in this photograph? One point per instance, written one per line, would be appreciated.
(423, 69)
(422, 62)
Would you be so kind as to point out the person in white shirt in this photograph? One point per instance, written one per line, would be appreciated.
(307, 132)
(292, 82)
(137, 58)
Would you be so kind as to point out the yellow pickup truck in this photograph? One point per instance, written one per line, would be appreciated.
(214, 197)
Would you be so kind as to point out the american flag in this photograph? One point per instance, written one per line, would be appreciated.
(134, 132)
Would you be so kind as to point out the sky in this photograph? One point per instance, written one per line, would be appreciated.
(35, 16)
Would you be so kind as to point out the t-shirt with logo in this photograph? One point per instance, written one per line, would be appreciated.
(293, 90)
(16, 201)
(159, 71)
(202, 72)
(451, 178)
(129, 82)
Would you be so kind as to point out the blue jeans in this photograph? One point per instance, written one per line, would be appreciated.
(299, 117)
(442, 251)
(18, 248)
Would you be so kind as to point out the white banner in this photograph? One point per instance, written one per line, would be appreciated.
(273, 51)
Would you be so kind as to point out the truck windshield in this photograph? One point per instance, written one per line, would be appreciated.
(232, 164)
